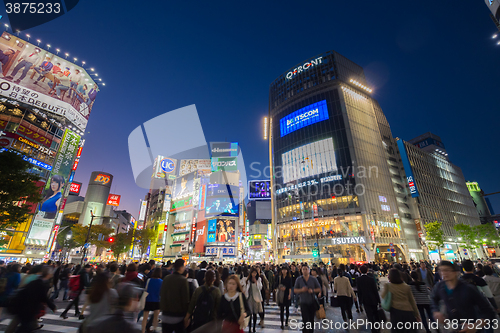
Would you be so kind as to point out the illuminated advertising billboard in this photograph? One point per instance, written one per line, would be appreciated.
(164, 167)
(223, 190)
(221, 206)
(308, 160)
(212, 230)
(224, 149)
(306, 116)
(61, 170)
(142, 213)
(408, 170)
(184, 186)
(259, 189)
(46, 81)
(221, 230)
(114, 200)
(183, 203)
(167, 202)
(224, 164)
(188, 166)
(75, 188)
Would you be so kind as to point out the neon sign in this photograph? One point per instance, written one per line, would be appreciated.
(304, 67)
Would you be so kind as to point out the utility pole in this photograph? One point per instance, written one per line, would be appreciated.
(87, 239)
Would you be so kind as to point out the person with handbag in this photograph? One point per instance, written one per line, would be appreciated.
(253, 287)
(369, 298)
(233, 308)
(153, 288)
(402, 306)
(283, 286)
(345, 293)
(306, 286)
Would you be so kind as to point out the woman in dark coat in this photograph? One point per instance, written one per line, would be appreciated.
(284, 284)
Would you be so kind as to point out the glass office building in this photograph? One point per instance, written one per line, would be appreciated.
(334, 196)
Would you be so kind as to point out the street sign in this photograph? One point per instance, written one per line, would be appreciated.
(393, 254)
(316, 244)
(86, 245)
(85, 259)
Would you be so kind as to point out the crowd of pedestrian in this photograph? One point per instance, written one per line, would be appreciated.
(228, 298)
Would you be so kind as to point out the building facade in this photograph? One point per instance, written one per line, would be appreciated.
(46, 130)
(333, 194)
(440, 192)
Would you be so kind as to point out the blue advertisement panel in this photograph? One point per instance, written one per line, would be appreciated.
(409, 172)
(306, 116)
(223, 190)
(212, 230)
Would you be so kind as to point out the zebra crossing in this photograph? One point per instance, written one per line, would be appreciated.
(52, 322)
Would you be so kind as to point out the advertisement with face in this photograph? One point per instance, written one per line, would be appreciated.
(221, 206)
(184, 186)
(45, 80)
(60, 173)
(226, 231)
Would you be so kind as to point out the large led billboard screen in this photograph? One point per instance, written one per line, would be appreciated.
(225, 190)
(46, 81)
(306, 116)
(309, 160)
(184, 186)
(259, 189)
(221, 230)
(221, 206)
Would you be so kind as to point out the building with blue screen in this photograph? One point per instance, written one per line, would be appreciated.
(338, 194)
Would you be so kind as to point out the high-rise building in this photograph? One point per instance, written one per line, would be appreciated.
(482, 206)
(334, 197)
(44, 123)
(439, 191)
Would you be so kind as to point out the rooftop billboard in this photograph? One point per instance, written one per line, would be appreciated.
(45, 81)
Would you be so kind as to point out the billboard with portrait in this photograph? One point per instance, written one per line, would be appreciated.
(184, 186)
(221, 206)
(61, 170)
(47, 81)
(221, 230)
(309, 160)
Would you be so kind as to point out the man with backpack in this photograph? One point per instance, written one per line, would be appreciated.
(77, 286)
(174, 299)
(204, 303)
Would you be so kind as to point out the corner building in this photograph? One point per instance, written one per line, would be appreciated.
(334, 196)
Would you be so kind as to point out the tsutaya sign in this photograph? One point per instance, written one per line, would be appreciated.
(348, 240)
(304, 67)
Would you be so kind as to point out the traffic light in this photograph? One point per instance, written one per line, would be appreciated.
(378, 250)
(111, 240)
(315, 253)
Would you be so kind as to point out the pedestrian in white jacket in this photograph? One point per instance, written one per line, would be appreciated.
(252, 287)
